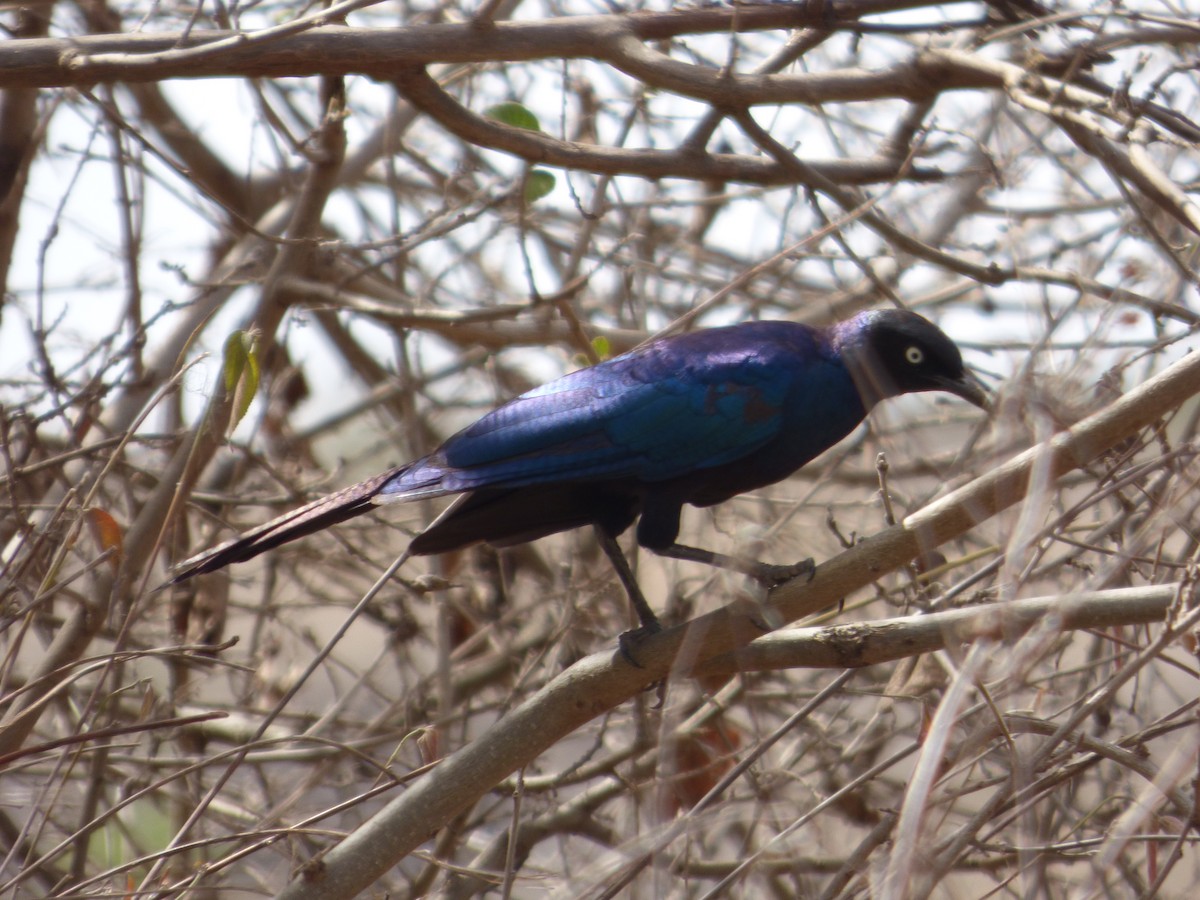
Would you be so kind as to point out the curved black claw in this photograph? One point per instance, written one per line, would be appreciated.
(629, 640)
(770, 576)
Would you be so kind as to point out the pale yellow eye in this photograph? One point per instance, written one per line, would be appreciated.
(915, 355)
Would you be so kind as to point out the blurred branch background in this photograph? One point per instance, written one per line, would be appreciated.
(252, 253)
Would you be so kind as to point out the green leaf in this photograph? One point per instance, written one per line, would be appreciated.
(241, 372)
(538, 183)
(602, 347)
(514, 114)
(235, 360)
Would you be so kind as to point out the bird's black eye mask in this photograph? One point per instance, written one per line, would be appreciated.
(902, 355)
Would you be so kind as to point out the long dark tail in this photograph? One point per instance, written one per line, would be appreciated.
(345, 504)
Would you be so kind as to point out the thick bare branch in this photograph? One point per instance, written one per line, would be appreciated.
(337, 50)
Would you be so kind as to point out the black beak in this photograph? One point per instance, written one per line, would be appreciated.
(968, 387)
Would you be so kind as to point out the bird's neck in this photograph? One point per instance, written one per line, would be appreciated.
(850, 341)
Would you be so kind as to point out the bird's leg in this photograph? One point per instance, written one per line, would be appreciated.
(766, 574)
(650, 624)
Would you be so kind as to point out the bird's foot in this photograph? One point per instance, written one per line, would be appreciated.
(771, 576)
(629, 641)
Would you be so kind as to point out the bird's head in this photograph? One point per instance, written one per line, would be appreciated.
(890, 352)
